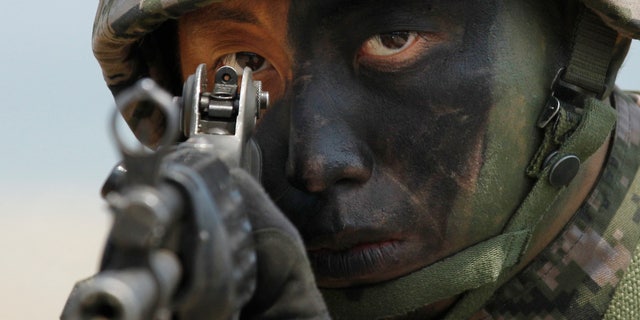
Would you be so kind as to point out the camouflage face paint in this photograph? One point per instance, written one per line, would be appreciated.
(390, 169)
(387, 163)
(526, 58)
(378, 156)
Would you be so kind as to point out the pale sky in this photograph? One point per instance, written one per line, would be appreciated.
(56, 152)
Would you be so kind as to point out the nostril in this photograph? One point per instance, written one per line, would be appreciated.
(309, 174)
(316, 174)
(357, 174)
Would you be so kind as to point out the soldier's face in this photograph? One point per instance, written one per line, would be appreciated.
(398, 127)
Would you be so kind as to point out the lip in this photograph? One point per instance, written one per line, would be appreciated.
(345, 260)
(352, 239)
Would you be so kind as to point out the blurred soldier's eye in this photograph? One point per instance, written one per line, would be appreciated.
(240, 60)
(386, 44)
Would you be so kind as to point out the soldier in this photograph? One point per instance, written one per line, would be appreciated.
(459, 159)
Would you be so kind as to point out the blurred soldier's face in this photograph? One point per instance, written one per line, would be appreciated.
(401, 129)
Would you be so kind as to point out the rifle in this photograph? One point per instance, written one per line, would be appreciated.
(180, 246)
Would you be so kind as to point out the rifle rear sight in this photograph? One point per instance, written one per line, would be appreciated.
(181, 245)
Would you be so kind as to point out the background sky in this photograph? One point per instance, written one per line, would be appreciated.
(56, 153)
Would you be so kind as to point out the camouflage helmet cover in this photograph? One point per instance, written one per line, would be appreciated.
(621, 15)
(120, 25)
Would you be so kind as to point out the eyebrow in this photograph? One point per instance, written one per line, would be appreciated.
(235, 15)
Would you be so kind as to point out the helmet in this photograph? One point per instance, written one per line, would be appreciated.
(120, 37)
(621, 15)
(124, 46)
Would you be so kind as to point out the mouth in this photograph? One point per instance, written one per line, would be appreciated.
(353, 239)
(346, 263)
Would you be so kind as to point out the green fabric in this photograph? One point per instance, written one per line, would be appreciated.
(554, 135)
(626, 301)
(576, 275)
(593, 49)
(622, 15)
(467, 269)
(286, 288)
(597, 123)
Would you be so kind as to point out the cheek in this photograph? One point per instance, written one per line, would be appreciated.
(437, 123)
(519, 89)
(433, 137)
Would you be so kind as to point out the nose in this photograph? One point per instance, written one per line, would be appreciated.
(325, 145)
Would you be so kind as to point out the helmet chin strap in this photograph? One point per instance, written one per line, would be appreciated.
(572, 135)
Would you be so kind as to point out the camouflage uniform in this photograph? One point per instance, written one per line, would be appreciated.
(576, 276)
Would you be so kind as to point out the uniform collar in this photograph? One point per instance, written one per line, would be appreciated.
(576, 275)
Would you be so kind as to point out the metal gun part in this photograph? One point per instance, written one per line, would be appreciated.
(180, 246)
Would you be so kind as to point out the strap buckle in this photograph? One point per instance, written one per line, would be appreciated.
(563, 95)
(550, 111)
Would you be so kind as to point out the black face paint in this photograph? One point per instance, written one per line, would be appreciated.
(367, 161)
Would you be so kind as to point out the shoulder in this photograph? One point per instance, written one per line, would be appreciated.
(625, 99)
(634, 96)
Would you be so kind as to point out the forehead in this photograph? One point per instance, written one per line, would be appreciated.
(264, 14)
(275, 12)
(328, 6)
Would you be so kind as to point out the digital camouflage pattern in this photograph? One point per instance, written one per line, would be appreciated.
(576, 276)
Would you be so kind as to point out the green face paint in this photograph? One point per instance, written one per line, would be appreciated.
(523, 69)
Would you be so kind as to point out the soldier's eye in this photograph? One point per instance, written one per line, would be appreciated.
(386, 44)
(240, 60)
(392, 51)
